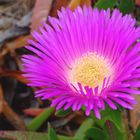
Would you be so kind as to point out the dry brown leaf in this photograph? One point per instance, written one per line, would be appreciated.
(74, 3)
(15, 44)
(40, 13)
(137, 2)
(86, 2)
(135, 113)
(1, 99)
(57, 4)
(14, 74)
(33, 112)
(18, 43)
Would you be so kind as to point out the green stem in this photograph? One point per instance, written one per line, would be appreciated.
(110, 130)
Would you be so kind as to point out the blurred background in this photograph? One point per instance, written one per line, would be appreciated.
(18, 18)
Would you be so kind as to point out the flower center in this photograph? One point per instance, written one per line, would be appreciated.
(90, 70)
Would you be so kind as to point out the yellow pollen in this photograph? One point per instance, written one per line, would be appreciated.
(90, 70)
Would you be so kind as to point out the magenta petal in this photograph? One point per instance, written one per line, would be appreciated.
(122, 103)
(110, 103)
(97, 113)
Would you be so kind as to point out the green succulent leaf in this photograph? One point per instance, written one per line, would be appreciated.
(113, 115)
(137, 134)
(52, 134)
(80, 134)
(113, 133)
(39, 120)
(62, 113)
(22, 135)
(104, 4)
(126, 6)
(95, 133)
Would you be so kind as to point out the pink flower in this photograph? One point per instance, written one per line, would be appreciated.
(85, 58)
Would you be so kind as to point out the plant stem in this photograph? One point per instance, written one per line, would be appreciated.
(110, 130)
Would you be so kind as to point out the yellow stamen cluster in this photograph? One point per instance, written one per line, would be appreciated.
(90, 69)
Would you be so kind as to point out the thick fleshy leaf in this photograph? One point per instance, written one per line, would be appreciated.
(62, 113)
(113, 115)
(104, 4)
(22, 135)
(80, 134)
(52, 134)
(96, 134)
(137, 134)
(113, 133)
(126, 6)
(39, 120)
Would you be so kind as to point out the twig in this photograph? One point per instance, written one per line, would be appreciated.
(14, 74)
(1, 99)
(12, 117)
